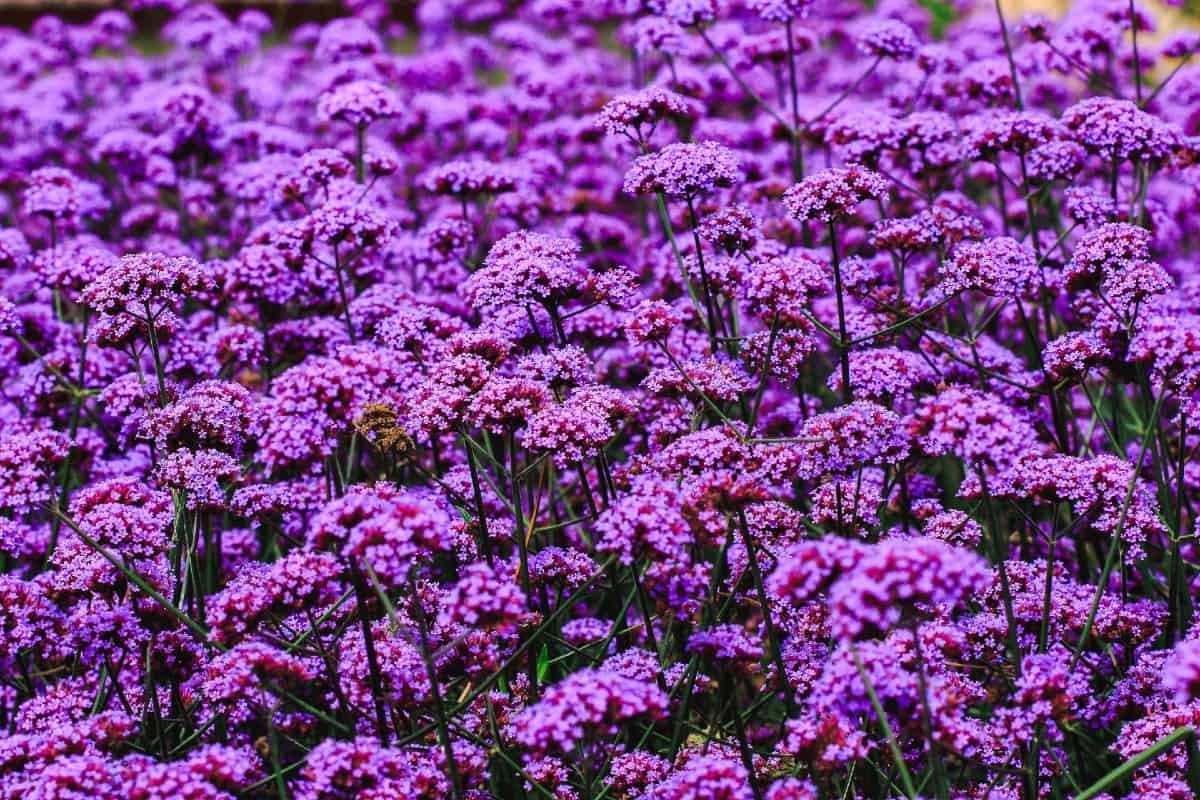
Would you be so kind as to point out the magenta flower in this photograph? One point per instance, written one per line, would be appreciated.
(588, 703)
(995, 266)
(833, 194)
(636, 116)
(684, 170)
(359, 103)
(902, 581)
(1181, 675)
(655, 400)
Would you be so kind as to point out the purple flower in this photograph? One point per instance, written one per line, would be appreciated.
(28, 462)
(236, 681)
(58, 194)
(646, 520)
(728, 644)
(991, 133)
(706, 777)
(783, 287)
(359, 103)
(484, 597)
(1106, 251)
(466, 178)
(636, 116)
(889, 39)
(884, 372)
(429, 403)
(849, 437)
(684, 171)
(808, 569)
(1089, 207)
(347, 39)
(898, 582)
(525, 268)
(1119, 130)
(779, 10)
(1001, 266)
(203, 476)
(1073, 354)
(691, 12)
(734, 229)
(144, 284)
(1096, 487)
(833, 194)
(289, 585)
(579, 427)
(1058, 160)
(1181, 674)
(384, 528)
(987, 434)
(211, 414)
(651, 321)
(585, 704)
(366, 768)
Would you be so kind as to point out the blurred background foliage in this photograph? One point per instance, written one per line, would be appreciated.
(286, 14)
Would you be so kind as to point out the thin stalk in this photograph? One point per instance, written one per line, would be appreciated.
(273, 747)
(843, 343)
(759, 587)
(360, 150)
(159, 372)
(361, 597)
(733, 73)
(763, 376)
(132, 575)
(342, 294)
(841, 98)
(716, 323)
(481, 535)
(797, 145)
(939, 775)
(739, 728)
(1137, 58)
(1008, 52)
(669, 231)
(1115, 546)
(522, 551)
(439, 710)
(1183, 62)
(910, 789)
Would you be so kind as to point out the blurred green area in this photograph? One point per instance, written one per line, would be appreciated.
(942, 13)
(287, 14)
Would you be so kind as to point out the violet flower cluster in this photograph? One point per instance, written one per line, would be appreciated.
(626, 399)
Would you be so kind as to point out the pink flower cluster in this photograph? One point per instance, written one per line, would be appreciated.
(624, 399)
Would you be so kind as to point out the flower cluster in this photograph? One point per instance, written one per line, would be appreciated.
(588, 703)
(658, 400)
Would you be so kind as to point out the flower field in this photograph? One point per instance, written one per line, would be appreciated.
(600, 400)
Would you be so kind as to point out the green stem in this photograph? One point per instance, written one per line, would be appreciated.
(361, 598)
(773, 637)
(843, 343)
(436, 694)
(669, 231)
(1115, 545)
(1129, 767)
(910, 789)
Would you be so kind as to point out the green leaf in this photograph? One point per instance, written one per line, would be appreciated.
(543, 663)
(1128, 768)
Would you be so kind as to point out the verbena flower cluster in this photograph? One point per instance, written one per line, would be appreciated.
(625, 399)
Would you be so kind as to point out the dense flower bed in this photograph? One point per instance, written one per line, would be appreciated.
(675, 399)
